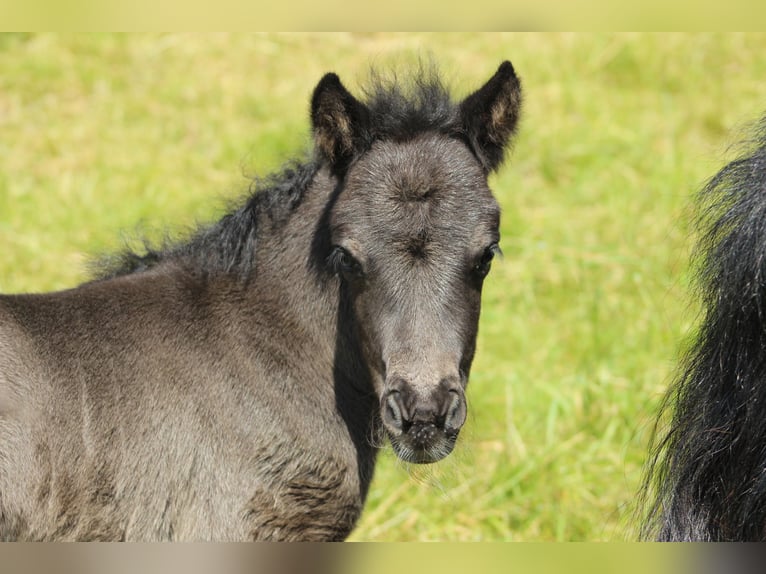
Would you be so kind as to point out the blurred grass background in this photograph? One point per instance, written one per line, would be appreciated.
(104, 137)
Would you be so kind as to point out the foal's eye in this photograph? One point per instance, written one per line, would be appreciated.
(482, 266)
(341, 261)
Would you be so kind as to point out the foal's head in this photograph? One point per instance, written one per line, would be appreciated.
(413, 231)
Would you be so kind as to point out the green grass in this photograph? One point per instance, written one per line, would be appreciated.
(583, 320)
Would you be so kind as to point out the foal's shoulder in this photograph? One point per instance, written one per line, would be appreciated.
(16, 351)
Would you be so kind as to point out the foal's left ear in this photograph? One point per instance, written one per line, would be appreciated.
(338, 120)
(490, 116)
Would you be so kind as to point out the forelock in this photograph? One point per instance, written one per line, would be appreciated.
(402, 107)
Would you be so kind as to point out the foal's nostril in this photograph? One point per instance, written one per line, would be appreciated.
(392, 411)
(456, 411)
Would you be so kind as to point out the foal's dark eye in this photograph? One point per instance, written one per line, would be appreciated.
(341, 261)
(482, 266)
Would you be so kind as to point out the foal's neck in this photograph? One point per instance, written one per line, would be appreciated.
(290, 260)
(292, 269)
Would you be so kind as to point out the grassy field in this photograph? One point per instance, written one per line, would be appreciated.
(103, 137)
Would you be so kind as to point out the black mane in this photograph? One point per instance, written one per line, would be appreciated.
(228, 245)
(402, 110)
(399, 109)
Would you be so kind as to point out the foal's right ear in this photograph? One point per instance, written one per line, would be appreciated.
(338, 120)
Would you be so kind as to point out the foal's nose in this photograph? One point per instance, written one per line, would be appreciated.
(421, 415)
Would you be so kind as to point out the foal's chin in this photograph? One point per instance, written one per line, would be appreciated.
(413, 452)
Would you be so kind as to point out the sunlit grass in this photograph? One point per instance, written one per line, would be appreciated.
(102, 135)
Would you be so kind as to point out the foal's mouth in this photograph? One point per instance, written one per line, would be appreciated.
(423, 429)
(423, 443)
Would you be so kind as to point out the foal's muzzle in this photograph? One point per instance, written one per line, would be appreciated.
(423, 429)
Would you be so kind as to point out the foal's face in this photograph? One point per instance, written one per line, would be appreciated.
(413, 233)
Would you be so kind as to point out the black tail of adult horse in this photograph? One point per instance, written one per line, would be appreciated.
(708, 472)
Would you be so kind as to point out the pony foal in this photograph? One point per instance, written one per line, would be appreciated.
(234, 385)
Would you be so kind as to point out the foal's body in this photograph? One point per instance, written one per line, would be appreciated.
(237, 386)
(173, 416)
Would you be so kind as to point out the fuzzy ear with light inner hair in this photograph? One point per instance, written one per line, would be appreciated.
(338, 121)
(490, 116)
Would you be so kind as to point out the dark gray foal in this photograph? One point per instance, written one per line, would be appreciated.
(236, 385)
